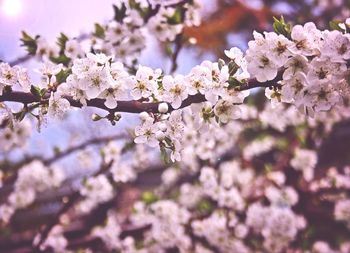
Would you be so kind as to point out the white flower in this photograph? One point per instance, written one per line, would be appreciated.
(94, 82)
(73, 49)
(170, 175)
(158, 26)
(109, 233)
(336, 46)
(122, 172)
(55, 240)
(8, 76)
(175, 90)
(99, 59)
(281, 197)
(305, 161)
(112, 95)
(22, 78)
(342, 211)
(306, 39)
(58, 105)
(280, 229)
(324, 71)
(278, 48)
(323, 97)
(199, 79)
(236, 55)
(81, 67)
(98, 189)
(293, 89)
(295, 65)
(44, 50)
(11, 76)
(226, 111)
(144, 84)
(146, 133)
(230, 198)
(118, 89)
(50, 69)
(6, 212)
(208, 178)
(219, 78)
(116, 32)
(112, 152)
(203, 115)
(22, 198)
(261, 66)
(175, 125)
(321, 247)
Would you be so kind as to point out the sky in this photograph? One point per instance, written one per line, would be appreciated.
(45, 17)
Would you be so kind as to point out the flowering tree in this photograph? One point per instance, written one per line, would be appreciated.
(208, 165)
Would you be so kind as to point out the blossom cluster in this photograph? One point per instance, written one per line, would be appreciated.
(312, 63)
(99, 189)
(32, 179)
(126, 35)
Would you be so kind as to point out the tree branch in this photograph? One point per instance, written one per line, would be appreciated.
(72, 199)
(131, 106)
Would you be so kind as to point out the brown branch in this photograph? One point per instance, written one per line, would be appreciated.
(21, 60)
(72, 199)
(131, 106)
(178, 46)
(94, 141)
(83, 145)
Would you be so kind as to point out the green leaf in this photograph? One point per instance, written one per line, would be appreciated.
(43, 92)
(61, 59)
(221, 63)
(164, 156)
(176, 18)
(20, 115)
(334, 25)
(99, 31)
(56, 150)
(205, 206)
(29, 43)
(61, 42)
(233, 83)
(232, 68)
(119, 14)
(128, 146)
(149, 197)
(36, 91)
(168, 50)
(61, 77)
(281, 27)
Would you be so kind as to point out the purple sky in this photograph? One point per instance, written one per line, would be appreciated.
(45, 17)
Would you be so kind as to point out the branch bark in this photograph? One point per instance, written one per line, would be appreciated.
(131, 106)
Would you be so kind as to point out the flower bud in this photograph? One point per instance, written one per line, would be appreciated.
(160, 135)
(163, 108)
(96, 117)
(144, 116)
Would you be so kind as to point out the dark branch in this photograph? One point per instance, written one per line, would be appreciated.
(71, 201)
(131, 106)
